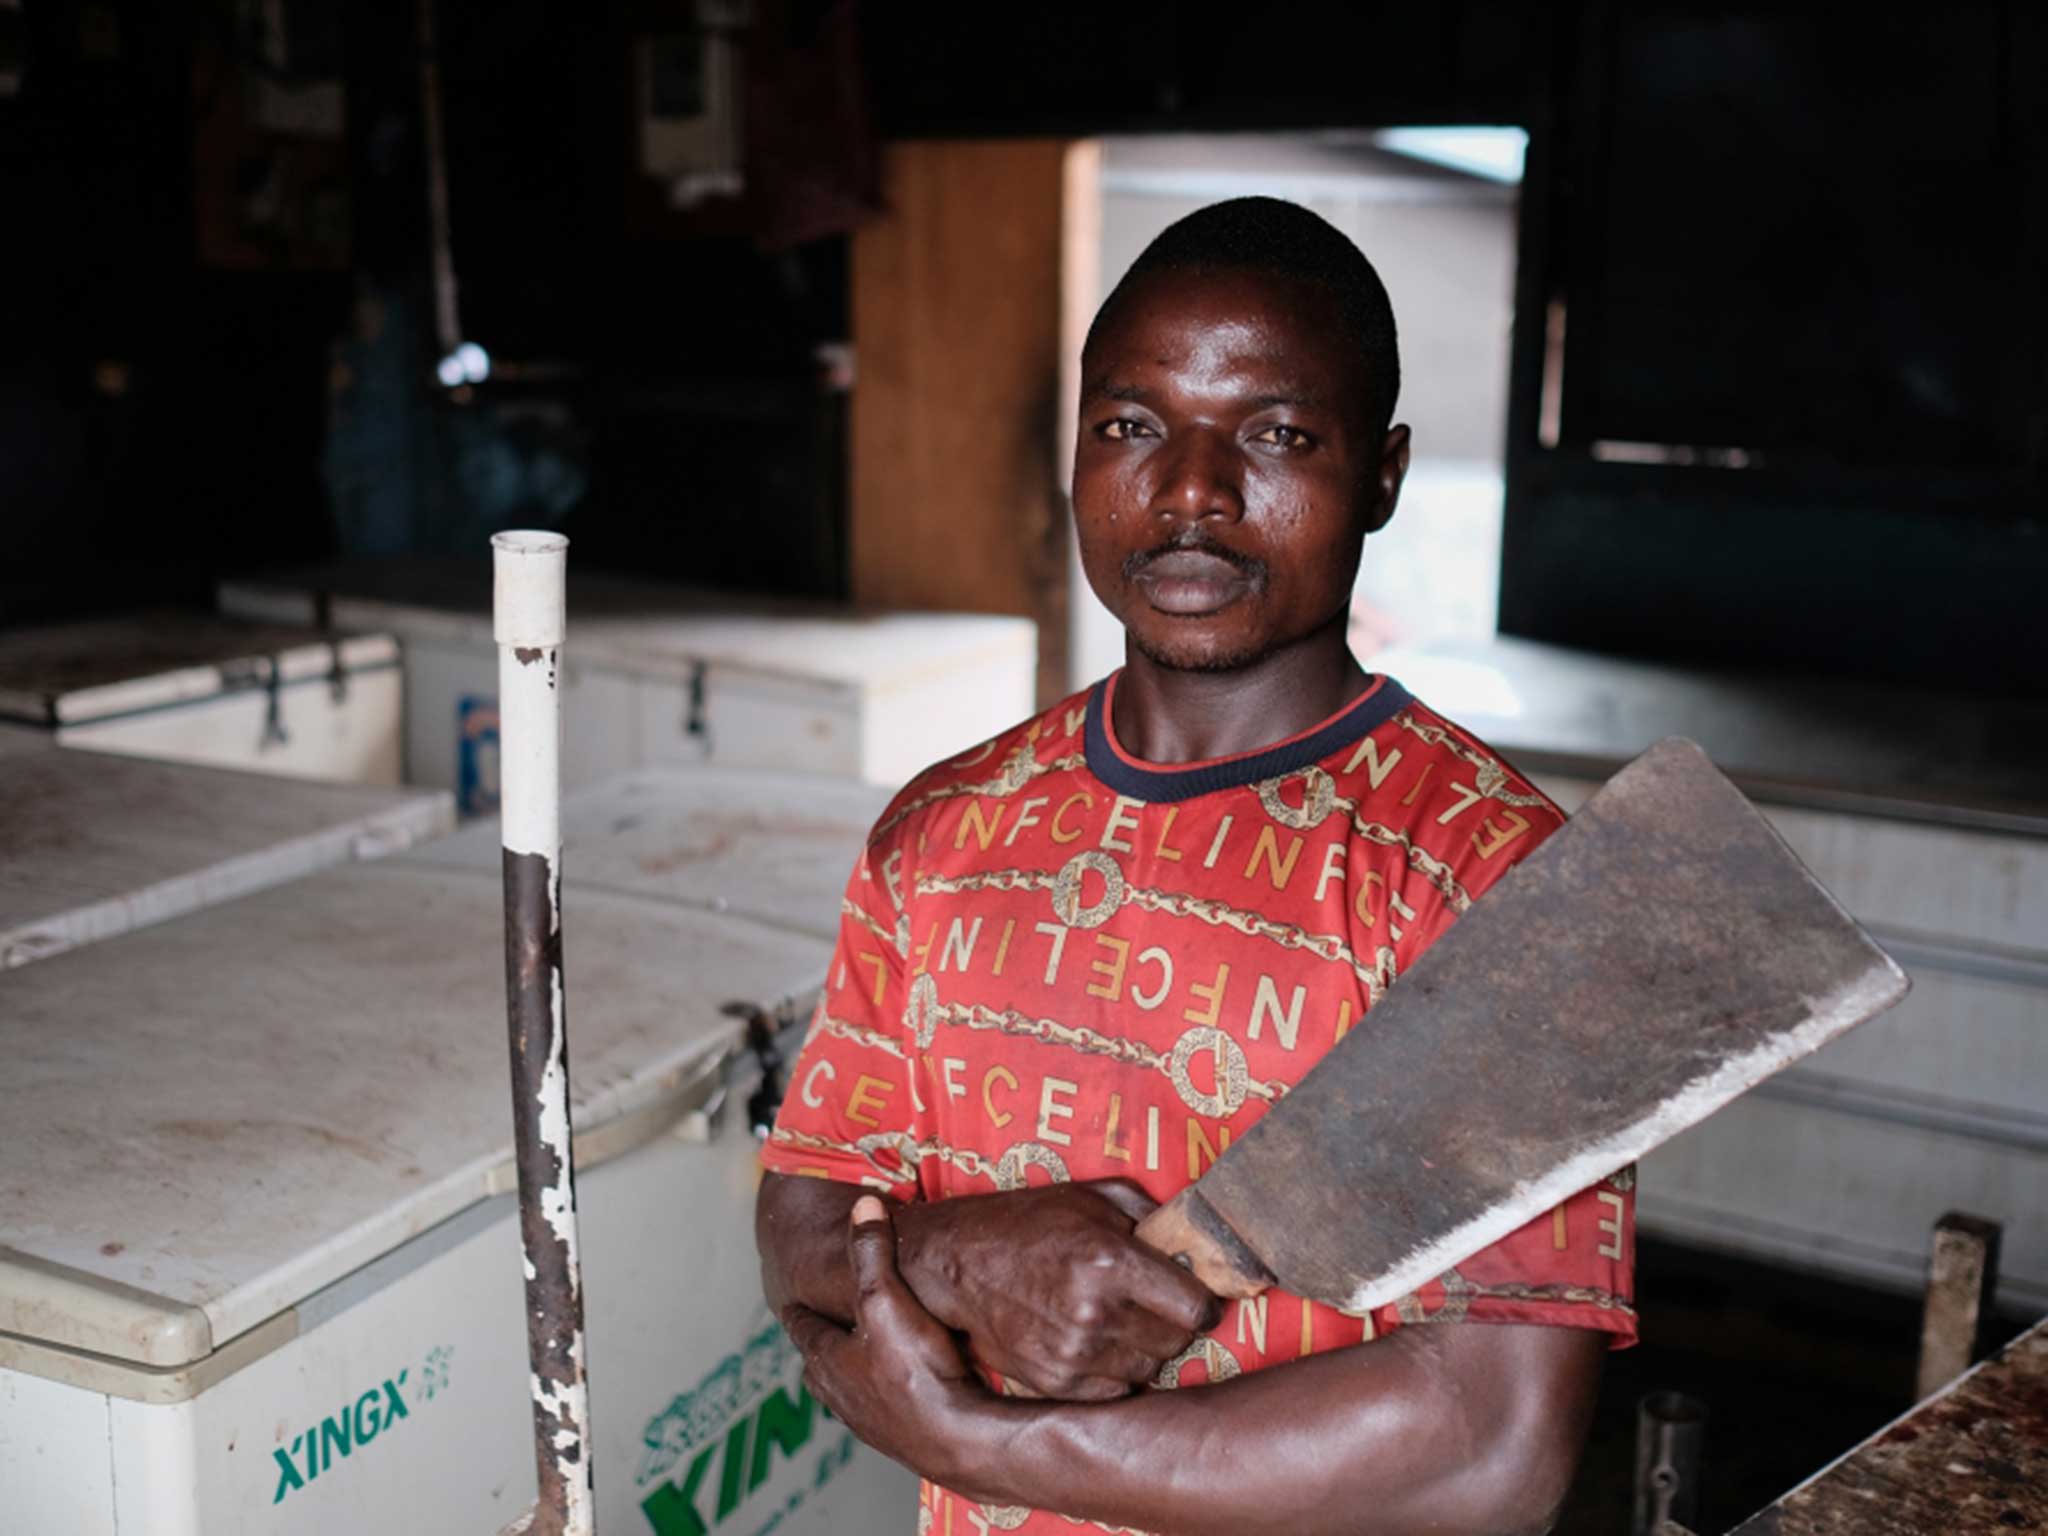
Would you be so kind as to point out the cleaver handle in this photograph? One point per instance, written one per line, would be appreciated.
(1187, 1230)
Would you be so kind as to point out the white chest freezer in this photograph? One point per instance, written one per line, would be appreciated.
(195, 688)
(658, 676)
(773, 847)
(259, 1265)
(93, 844)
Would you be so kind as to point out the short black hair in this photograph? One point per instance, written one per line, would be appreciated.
(1285, 240)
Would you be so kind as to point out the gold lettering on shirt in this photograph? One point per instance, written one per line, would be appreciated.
(1079, 796)
(1027, 816)
(984, 828)
(1558, 1237)
(1496, 837)
(1161, 851)
(1369, 753)
(1003, 944)
(923, 951)
(1213, 994)
(1122, 818)
(868, 957)
(1266, 1002)
(1109, 1146)
(1366, 882)
(1343, 1018)
(869, 1093)
(1415, 789)
(1153, 954)
(1268, 848)
(996, 1117)
(1051, 1108)
(1198, 1146)
(1111, 971)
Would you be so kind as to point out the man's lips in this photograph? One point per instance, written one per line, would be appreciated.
(1191, 582)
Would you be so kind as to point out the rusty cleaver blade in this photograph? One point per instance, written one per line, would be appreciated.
(1659, 955)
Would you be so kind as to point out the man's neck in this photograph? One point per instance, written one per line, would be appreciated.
(1163, 715)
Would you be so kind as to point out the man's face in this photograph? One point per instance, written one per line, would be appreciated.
(1227, 468)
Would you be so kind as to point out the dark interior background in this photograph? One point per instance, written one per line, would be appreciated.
(1813, 234)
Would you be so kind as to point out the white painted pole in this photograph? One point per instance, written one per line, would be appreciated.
(527, 623)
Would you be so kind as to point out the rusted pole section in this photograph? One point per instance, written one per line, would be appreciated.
(527, 622)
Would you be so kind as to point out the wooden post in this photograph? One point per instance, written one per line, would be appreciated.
(1962, 1278)
(957, 290)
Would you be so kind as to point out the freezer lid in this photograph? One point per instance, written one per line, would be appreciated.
(773, 847)
(648, 628)
(209, 1120)
(99, 843)
(64, 674)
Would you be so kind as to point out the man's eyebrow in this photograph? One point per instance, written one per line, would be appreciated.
(1299, 399)
(1102, 388)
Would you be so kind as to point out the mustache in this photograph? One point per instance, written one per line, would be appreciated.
(1198, 542)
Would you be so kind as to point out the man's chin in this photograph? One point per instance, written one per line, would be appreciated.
(1196, 652)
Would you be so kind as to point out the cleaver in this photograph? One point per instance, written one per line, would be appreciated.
(1659, 955)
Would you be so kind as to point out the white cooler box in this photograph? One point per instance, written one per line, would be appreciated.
(260, 1268)
(93, 844)
(194, 688)
(657, 676)
(773, 847)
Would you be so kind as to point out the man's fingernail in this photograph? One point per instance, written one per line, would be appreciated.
(866, 1209)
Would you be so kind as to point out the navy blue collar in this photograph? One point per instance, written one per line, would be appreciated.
(1156, 785)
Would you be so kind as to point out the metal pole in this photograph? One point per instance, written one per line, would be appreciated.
(1962, 1288)
(440, 249)
(527, 623)
(1671, 1429)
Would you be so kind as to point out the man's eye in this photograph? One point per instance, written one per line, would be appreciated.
(1284, 437)
(1123, 429)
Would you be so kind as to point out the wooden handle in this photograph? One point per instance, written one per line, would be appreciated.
(1187, 1230)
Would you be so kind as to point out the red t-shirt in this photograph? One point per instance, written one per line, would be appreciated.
(1059, 962)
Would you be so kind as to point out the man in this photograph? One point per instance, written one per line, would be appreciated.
(1078, 961)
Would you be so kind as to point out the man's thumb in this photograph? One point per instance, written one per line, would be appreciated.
(871, 1245)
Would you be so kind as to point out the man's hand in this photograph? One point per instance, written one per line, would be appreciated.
(1053, 1290)
(1048, 1284)
(896, 1379)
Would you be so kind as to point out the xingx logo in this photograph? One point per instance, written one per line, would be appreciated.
(737, 1443)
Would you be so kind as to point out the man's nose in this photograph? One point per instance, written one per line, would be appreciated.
(1201, 479)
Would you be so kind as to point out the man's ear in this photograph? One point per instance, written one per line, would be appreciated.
(1393, 470)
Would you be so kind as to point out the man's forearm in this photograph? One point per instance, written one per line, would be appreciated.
(1465, 1429)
